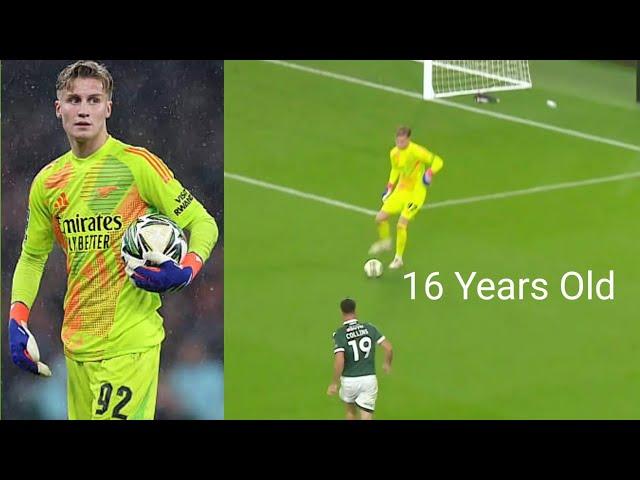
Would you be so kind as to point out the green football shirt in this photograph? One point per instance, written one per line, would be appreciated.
(358, 342)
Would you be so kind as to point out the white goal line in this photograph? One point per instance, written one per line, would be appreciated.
(444, 203)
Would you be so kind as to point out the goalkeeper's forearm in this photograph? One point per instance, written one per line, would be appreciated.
(436, 164)
(203, 235)
(393, 176)
(27, 276)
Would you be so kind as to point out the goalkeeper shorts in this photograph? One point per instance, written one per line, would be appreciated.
(119, 388)
(407, 203)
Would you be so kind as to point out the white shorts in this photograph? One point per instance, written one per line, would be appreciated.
(363, 391)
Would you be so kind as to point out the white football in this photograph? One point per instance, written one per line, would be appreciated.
(152, 233)
(373, 268)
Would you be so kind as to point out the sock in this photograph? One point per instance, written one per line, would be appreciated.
(383, 230)
(401, 240)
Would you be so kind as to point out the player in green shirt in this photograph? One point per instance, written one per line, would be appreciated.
(85, 200)
(355, 362)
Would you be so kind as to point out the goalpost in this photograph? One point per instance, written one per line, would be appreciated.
(448, 78)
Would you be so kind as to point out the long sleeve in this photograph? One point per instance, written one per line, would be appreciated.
(432, 160)
(203, 234)
(393, 176)
(27, 276)
(395, 172)
(436, 163)
(36, 246)
(159, 188)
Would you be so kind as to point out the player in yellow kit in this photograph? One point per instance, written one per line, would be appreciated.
(85, 200)
(412, 171)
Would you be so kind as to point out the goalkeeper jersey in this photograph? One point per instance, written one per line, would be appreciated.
(86, 204)
(408, 166)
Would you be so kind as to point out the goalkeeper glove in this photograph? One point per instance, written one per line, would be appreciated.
(387, 192)
(167, 275)
(22, 344)
(427, 177)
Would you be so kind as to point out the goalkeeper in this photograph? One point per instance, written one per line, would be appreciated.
(412, 171)
(85, 200)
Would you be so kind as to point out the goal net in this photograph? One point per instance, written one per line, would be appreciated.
(448, 78)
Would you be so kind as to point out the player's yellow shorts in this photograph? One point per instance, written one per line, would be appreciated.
(119, 388)
(407, 203)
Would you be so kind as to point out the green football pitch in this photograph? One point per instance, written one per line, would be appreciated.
(527, 191)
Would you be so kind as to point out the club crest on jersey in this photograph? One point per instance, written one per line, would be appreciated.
(61, 203)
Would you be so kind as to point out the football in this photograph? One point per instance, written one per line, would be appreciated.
(152, 233)
(373, 268)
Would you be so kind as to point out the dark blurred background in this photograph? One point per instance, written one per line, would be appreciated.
(175, 109)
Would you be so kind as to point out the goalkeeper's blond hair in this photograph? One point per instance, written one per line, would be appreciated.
(85, 69)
